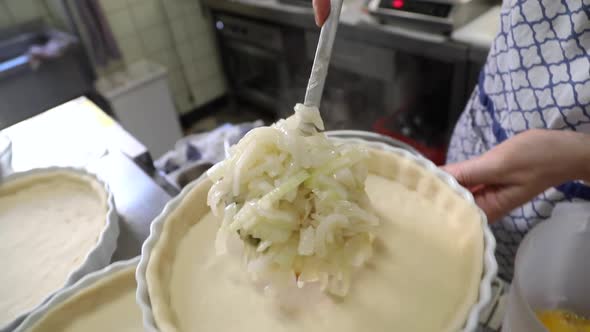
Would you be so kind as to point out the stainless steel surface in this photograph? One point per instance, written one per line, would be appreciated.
(14, 49)
(321, 62)
(12, 65)
(14, 44)
(306, 3)
(460, 13)
(70, 135)
(447, 1)
(380, 69)
(137, 197)
(254, 64)
(353, 55)
(265, 36)
(51, 83)
(355, 25)
(405, 59)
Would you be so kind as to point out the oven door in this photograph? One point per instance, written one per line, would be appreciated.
(253, 59)
(255, 74)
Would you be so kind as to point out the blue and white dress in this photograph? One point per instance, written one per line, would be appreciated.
(537, 75)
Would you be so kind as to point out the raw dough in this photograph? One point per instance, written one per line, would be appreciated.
(108, 305)
(48, 224)
(424, 275)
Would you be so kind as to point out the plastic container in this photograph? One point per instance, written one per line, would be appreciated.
(551, 269)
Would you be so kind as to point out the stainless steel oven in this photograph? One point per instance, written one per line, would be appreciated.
(370, 86)
(429, 15)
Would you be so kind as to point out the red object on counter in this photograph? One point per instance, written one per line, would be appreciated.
(397, 4)
(435, 154)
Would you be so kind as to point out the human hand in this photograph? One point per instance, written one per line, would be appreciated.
(321, 9)
(522, 167)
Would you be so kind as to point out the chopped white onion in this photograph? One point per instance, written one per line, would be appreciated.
(297, 202)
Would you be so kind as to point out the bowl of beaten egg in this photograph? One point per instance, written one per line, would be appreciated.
(431, 270)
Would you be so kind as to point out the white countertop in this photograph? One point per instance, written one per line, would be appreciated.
(71, 134)
(481, 31)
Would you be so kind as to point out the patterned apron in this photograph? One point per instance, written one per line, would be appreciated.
(537, 75)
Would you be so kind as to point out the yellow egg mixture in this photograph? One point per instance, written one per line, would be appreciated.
(563, 321)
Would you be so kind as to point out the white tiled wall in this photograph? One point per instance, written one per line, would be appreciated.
(22, 10)
(174, 33)
(18, 11)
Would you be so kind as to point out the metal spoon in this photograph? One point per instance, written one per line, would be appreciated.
(321, 62)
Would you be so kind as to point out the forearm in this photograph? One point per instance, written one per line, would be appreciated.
(517, 170)
(551, 157)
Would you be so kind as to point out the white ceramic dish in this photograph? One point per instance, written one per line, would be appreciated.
(99, 256)
(73, 290)
(489, 269)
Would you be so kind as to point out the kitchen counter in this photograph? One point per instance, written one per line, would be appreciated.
(71, 134)
(138, 199)
(71, 68)
(355, 25)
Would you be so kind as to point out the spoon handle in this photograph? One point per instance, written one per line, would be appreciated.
(321, 62)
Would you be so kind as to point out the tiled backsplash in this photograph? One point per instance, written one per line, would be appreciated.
(174, 33)
(18, 11)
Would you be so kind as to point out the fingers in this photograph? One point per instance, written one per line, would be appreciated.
(322, 10)
(490, 204)
(498, 201)
(475, 172)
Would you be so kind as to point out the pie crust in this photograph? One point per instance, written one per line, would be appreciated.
(426, 201)
(56, 225)
(102, 301)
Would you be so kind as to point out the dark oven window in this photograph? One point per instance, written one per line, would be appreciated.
(253, 73)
